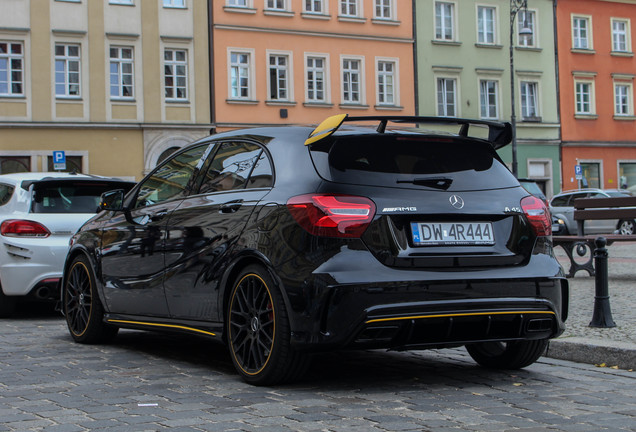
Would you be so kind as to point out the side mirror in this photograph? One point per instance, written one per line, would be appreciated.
(112, 200)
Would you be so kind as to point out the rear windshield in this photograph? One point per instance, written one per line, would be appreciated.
(6, 192)
(414, 162)
(71, 196)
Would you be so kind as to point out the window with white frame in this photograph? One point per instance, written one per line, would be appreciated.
(278, 77)
(240, 75)
(349, 8)
(316, 79)
(175, 72)
(174, 4)
(237, 3)
(620, 35)
(447, 97)
(11, 68)
(276, 5)
(121, 72)
(526, 19)
(529, 99)
(315, 6)
(383, 9)
(486, 28)
(444, 21)
(488, 99)
(581, 33)
(623, 101)
(351, 81)
(67, 70)
(386, 79)
(584, 97)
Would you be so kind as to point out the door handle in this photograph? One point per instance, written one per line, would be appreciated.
(158, 216)
(231, 206)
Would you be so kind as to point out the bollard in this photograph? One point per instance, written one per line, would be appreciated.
(602, 312)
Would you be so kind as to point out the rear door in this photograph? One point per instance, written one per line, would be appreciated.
(205, 227)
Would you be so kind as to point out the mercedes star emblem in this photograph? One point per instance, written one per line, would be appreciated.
(456, 201)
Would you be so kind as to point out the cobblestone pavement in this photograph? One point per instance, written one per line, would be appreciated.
(622, 290)
(154, 382)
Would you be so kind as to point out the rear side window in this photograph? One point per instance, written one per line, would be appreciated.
(560, 201)
(6, 192)
(71, 196)
(413, 161)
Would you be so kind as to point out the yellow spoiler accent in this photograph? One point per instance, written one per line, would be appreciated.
(326, 128)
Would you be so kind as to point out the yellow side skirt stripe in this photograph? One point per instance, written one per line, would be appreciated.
(162, 325)
(450, 315)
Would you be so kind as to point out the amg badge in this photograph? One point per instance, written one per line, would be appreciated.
(398, 209)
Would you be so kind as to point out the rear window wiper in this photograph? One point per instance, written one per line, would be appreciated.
(432, 182)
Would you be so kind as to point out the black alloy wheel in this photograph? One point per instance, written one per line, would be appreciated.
(507, 355)
(81, 305)
(7, 304)
(258, 330)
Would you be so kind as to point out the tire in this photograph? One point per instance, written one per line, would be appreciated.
(7, 304)
(258, 331)
(507, 355)
(626, 227)
(81, 305)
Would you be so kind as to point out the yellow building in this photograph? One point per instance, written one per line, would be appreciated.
(116, 84)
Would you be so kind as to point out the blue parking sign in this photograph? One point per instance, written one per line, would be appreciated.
(578, 172)
(59, 160)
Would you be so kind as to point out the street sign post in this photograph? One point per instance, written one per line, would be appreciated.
(578, 172)
(59, 160)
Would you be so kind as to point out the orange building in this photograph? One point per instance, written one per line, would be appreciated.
(597, 70)
(298, 61)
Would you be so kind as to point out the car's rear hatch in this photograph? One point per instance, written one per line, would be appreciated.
(441, 202)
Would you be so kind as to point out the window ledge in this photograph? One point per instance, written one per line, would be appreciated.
(317, 105)
(582, 51)
(490, 46)
(385, 21)
(8, 97)
(178, 101)
(278, 13)
(531, 119)
(388, 107)
(242, 101)
(622, 53)
(352, 19)
(585, 116)
(243, 10)
(529, 49)
(445, 42)
(316, 16)
(353, 106)
(67, 99)
(624, 117)
(123, 101)
(280, 103)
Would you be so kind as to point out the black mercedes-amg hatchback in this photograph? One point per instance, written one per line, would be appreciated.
(383, 232)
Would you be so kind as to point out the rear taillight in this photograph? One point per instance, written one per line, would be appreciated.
(332, 215)
(538, 215)
(23, 228)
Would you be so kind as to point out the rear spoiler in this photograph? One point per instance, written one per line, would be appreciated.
(499, 133)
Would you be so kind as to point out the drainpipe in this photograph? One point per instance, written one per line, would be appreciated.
(415, 72)
(211, 67)
(558, 88)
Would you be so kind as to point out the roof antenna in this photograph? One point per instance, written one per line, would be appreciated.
(382, 126)
(464, 130)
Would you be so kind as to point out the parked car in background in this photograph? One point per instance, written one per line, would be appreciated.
(39, 212)
(562, 207)
(531, 186)
(283, 241)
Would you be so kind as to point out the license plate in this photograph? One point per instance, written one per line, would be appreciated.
(452, 233)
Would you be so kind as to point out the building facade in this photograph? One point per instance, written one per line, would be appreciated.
(597, 69)
(116, 84)
(463, 70)
(300, 61)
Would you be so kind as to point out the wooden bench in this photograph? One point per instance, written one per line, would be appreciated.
(621, 208)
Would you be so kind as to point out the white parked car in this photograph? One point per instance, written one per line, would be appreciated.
(39, 212)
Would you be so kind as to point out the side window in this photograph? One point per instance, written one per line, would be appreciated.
(231, 167)
(262, 175)
(6, 192)
(561, 201)
(172, 178)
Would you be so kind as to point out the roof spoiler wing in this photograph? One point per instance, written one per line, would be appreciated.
(499, 133)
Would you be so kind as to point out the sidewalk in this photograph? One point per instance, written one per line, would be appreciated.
(610, 346)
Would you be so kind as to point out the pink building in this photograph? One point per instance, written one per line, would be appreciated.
(299, 61)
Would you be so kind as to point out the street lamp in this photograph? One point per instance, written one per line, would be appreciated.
(525, 31)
